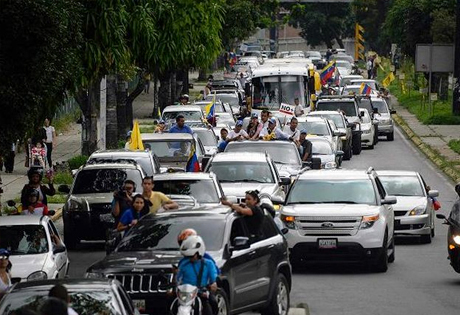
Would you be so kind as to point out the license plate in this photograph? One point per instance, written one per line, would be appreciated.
(327, 243)
(139, 304)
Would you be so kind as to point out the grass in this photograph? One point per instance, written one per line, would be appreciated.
(147, 129)
(62, 123)
(57, 198)
(454, 144)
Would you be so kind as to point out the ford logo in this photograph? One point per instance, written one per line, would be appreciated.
(327, 225)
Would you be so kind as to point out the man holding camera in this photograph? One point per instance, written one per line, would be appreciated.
(122, 199)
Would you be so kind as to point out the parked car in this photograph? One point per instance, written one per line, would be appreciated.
(148, 161)
(368, 129)
(87, 296)
(340, 215)
(37, 250)
(414, 211)
(255, 272)
(383, 115)
(90, 197)
(322, 149)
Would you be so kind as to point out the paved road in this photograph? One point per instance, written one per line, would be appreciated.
(419, 282)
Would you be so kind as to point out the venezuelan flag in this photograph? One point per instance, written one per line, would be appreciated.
(192, 164)
(210, 110)
(327, 72)
(365, 89)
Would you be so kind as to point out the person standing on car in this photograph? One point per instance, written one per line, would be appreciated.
(305, 146)
(123, 200)
(237, 133)
(180, 126)
(35, 182)
(5, 267)
(157, 199)
(298, 111)
(131, 216)
(292, 130)
(50, 141)
(253, 127)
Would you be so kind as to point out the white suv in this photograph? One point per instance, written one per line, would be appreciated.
(340, 215)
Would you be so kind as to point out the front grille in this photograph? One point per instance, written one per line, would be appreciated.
(406, 227)
(319, 226)
(144, 283)
(400, 213)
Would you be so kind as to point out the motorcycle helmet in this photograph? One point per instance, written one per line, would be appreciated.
(457, 188)
(34, 171)
(192, 245)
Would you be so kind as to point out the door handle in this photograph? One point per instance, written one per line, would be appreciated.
(253, 253)
(271, 246)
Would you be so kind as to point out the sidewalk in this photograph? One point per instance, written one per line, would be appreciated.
(68, 145)
(432, 140)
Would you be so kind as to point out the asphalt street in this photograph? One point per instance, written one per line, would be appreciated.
(420, 281)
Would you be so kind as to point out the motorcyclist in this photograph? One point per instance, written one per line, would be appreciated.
(454, 216)
(197, 270)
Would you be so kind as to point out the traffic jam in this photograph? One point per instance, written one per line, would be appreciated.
(214, 211)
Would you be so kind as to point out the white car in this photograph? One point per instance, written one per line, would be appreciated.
(191, 113)
(383, 116)
(368, 129)
(414, 212)
(340, 215)
(322, 127)
(37, 250)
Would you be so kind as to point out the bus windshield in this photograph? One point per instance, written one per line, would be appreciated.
(270, 92)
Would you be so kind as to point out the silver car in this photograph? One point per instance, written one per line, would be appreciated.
(414, 212)
(322, 127)
(37, 250)
(383, 116)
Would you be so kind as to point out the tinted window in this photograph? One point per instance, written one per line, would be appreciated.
(337, 119)
(160, 233)
(268, 228)
(188, 115)
(170, 149)
(402, 185)
(242, 172)
(321, 147)
(204, 191)
(365, 103)
(143, 161)
(318, 128)
(24, 239)
(283, 154)
(104, 180)
(332, 191)
(348, 107)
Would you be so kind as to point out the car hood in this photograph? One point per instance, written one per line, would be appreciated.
(94, 197)
(325, 157)
(329, 210)
(239, 189)
(210, 149)
(24, 265)
(409, 202)
(288, 169)
(383, 116)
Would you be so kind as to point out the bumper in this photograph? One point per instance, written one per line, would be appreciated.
(385, 129)
(367, 138)
(413, 225)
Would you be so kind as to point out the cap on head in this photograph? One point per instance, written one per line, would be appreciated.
(272, 121)
(184, 96)
(4, 251)
(304, 131)
(239, 123)
(128, 134)
(254, 115)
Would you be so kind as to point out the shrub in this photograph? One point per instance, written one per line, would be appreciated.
(454, 144)
(63, 178)
(77, 161)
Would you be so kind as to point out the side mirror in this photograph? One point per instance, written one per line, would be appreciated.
(64, 189)
(74, 172)
(59, 249)
(285, 181)
(155, 122)
(433, 193)
(389, 200)
(11, 203)
(306, 164)
(277, 200)
(285, 230)
(340, 153)
(339, 134)
(240, 243)
(441, 216)
(392, 111)
(361, 113)
(315, 163)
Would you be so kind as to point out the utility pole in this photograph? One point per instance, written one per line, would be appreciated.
(456, 81)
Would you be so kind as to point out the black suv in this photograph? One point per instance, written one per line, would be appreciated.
(255, 273)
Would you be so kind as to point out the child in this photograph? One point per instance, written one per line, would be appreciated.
(35, 206)
(38, 155)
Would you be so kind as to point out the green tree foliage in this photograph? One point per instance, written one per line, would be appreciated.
(38, 60)
(322, 22)
(443, 26)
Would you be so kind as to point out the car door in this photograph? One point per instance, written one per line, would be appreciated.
(60, 259)
(243, 270)
(389, 213)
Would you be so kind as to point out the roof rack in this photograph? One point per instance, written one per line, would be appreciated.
(110, 161)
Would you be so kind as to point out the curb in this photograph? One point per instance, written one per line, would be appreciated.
(57, 215)
(432, 154)
(305, 308)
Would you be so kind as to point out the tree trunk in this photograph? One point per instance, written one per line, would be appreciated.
(174, 95)
(122, 95)
(89, 105)
(164, 92)
(202, 75)
(111, 113)
(155, 113)
(131, 97)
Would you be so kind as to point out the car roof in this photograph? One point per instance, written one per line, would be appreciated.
(261, 143)
(240, 157)
(201, 129)
(364, 80)
(325, 112)
(110, 165)
(182, 108)
(310, 118)
(166, 136)
(184, 176)
(342, 98)
(397, 173)
(123, 153)
(334, 174)
(354, 86)
(22, 220)
(67, 282)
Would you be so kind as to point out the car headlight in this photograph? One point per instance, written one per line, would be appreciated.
(94, 275)
(343, 138)
(289, 221)
(418, 210)
(456, 239)
(330, 165)
(37, 275)
(366, 131)
(368, 221)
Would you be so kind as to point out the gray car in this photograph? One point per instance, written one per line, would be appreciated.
(322, 149)
(208, 139)
(383, 116)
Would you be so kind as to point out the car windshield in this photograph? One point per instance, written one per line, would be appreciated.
(348, 107)
(204, 191)
(332, 191)
(313, 54)
(84, 301)
(244, 171)
(280, 153)
(321, 148)
(365, 103)
(318, 128)
(160, 233)
(337, 119)
(104, 180)
(144, 161)
(24, 239)
(351, 90)
(402, 185)
(217, 106)
(343, 64)
(370, 83)
(207, 137)
(189, 115)
(170, 149)
(381, 106)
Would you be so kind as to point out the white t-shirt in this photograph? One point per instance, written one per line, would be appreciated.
(294, 134)
(233, 134)
(298, 110)
(49, 133)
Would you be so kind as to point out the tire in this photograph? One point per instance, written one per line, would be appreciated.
(70, 241)
(433, 232)
(376, 135)
(371, 146)
(222, 302)
(381, 265)
(279, 301)
(391, 136)
(425, 239)
(348, 153)
(357, 145)
(391, 258)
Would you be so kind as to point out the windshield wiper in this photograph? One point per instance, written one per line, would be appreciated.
(252, 181)
(302, 202)
(342, 201)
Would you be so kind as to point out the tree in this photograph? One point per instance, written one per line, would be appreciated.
(443, 26)
(38, 60)
(322, 22)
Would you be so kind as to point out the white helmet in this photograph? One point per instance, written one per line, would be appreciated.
(192, 245)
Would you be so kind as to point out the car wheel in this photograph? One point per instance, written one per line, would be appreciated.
(381, 265)
(392, 256)
(371, 146)
(70, 241)
(222, 302)
(432, 232)
(347, 153)
(391, 136)
(279, 301)
(357, 145)
(425, 239)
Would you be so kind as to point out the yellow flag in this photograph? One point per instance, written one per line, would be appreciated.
(136, 139)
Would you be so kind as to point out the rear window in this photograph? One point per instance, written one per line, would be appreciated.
(348, 107)
(143, 161)
(204, 191)
(104, 180)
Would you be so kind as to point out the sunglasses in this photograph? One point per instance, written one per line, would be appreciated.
(4, 257)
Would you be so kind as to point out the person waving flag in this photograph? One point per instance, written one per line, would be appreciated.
(327, 73)
(365, 89)
(210, 111)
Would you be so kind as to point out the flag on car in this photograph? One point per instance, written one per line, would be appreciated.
(192, 164)
(136, 140)
(327, 72)
(365, 89)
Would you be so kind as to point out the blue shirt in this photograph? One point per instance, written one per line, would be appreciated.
(185, 129)
(189, 271)
(128, 216)
(206, 256)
